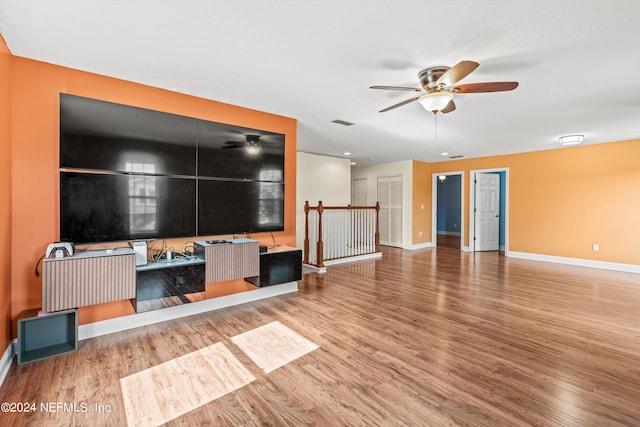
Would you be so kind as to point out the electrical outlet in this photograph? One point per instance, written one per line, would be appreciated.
(595, 247)
(420, 233)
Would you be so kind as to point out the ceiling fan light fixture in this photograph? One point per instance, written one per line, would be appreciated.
(435, 101)
(571, 139)
(253, 149)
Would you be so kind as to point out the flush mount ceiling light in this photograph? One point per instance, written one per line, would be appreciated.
(571, 139)
(435, 101)
(442, 178)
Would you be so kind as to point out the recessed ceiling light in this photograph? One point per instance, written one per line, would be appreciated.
(571, 139)
(353, 163)
(444, 154)
(346, 153)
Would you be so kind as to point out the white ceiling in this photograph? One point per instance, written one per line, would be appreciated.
(577, 62)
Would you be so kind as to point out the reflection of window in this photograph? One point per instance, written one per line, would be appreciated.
(271, 196)
(142, 199)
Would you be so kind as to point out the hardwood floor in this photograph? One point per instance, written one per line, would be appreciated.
(429, 337)
(448, 240)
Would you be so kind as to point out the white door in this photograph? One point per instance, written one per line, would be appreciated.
(390, 198)
(359, 192)
(487, 212)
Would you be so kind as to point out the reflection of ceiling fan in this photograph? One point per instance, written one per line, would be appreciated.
(251, 145)
(436, 93)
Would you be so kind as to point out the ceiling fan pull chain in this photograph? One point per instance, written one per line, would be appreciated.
(435, 120)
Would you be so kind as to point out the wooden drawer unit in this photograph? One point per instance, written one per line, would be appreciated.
(88, 279)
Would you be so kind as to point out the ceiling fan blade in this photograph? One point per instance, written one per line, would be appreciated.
(456, 73)
(484, 87)
(416, 89)
(451, 106)
(400, 104)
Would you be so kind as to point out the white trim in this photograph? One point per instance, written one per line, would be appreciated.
(316, 269)
(7, 358)
(421, 246)
(353, 259)
(466, 249)
(472, 202)
(434, 205)
(630, 268)
(124, 323)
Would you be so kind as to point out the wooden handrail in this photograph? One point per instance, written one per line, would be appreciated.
(358, 239)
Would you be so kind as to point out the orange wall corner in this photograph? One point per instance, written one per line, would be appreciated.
(5, 195)
(421, 203)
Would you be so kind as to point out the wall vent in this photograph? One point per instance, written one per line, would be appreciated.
(342, 122)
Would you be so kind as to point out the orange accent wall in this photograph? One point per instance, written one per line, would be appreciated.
(35, 152)
(562, 201)
(5, 195)
(421, 200)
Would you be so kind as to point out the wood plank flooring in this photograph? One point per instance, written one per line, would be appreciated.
(431, 337)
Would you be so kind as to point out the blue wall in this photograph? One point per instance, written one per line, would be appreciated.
(448, 208)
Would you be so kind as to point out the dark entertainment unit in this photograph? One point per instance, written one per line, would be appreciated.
(101, 276)
(129, 173)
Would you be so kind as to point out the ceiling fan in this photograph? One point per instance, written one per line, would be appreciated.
(438, 87)
(251, 145)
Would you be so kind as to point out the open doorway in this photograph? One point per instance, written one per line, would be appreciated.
(488, 210)
(447, 206)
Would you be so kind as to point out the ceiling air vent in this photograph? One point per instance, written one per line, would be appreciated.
(342, 122)
(456, 157)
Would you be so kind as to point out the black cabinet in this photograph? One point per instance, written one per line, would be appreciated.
(278, 266)
(169, 283)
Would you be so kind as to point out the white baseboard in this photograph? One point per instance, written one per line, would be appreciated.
(124, 323)
(7, 358)
(353, 259)
(630, 268)
(315, 268)
(421, 246)
(466, 249)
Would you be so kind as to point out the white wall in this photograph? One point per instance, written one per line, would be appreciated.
(405, 169)
(320, 178)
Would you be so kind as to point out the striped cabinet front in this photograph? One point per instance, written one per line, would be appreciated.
(77, 282)
(232, 261)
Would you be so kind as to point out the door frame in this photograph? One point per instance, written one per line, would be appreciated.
(472, 203)
(434, 207)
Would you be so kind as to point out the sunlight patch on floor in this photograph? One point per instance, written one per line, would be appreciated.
(273, 345)
(161, 393)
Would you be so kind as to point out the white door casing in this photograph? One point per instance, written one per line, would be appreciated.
(487, 212)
